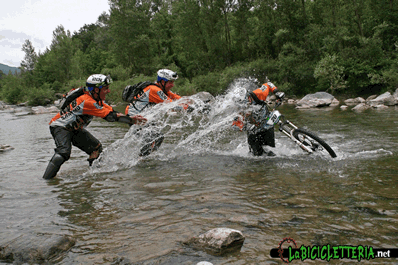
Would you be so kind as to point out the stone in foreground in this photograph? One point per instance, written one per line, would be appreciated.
(218, 241)
(35, 248)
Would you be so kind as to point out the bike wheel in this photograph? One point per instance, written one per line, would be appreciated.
(313, 141)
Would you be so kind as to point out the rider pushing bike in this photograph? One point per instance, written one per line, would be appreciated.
(252, 121)
(68, 126)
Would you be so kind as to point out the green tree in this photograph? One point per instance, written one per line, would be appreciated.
(329, 71)
(30, 59)
(130, 29)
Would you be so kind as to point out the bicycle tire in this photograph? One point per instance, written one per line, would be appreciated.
(298, 131)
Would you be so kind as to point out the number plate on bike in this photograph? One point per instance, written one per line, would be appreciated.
(274, 117)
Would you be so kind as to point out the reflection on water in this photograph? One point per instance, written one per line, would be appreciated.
(132, 209)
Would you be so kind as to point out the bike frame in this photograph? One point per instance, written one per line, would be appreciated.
(287, 127)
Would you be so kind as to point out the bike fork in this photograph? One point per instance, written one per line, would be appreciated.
(290, 135)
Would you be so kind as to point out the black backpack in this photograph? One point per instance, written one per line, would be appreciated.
(130, 93)
(69, 97)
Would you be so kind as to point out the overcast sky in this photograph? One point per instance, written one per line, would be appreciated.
(37, 19)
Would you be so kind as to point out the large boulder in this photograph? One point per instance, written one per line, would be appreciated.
(384, 99)
(218, 241)
(316, 100)
(35, 248)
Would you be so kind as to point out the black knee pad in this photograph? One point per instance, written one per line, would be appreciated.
(58, 159)
(63, 155)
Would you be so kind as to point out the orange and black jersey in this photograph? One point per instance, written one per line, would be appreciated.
(152, 95)
(80, 113)
(263, 92)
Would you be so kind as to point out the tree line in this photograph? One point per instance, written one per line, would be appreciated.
(303, 46)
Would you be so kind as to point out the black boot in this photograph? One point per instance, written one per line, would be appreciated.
(270, 153)
(53, 166)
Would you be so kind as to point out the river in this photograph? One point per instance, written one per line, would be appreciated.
(140, 210)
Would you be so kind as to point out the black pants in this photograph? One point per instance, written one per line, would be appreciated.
(257, 139)
(82, 139)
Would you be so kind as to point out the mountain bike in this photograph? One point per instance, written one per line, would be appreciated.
(306, 140)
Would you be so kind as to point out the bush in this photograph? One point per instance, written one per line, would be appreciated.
(12, 89)
(217, 82)
(184, 88)
(73, 84)
(117, 73)
(40, 96)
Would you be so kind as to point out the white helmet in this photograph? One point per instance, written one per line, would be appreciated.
(166, 75)
(98, 80)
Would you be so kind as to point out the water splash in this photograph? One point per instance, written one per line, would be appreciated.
(195, 132)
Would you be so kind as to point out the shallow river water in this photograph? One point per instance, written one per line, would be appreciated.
(140, 210)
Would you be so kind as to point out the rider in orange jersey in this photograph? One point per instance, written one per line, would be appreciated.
(156, 93)
(257, 137)
(68, 126)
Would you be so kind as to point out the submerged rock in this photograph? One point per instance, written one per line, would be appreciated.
(5, 147)
(35, 248)
(218, 241)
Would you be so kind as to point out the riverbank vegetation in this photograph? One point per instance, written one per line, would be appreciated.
(342, 47)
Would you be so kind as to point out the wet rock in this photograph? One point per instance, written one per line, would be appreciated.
(57, 102)
(384, 99)
(354, 101)
(335, 102)
(42, 110)
(361, 107)
(395, 95)
(371, 97)
(343, 107)
(381, 106)
(24, 104)
(35, 248)
(5, 106)
(319, 99)
(5, 147)
(218, 241)
(206, 97)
